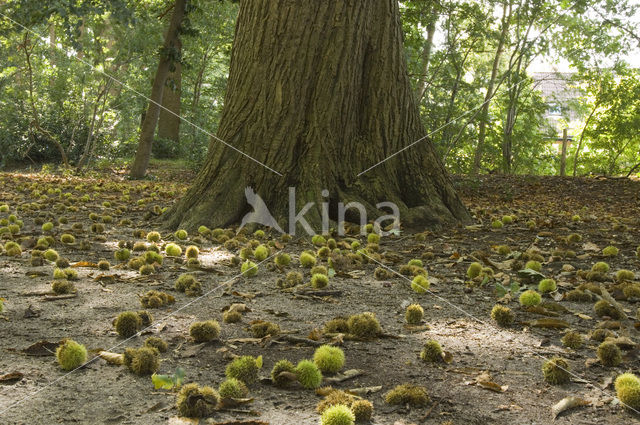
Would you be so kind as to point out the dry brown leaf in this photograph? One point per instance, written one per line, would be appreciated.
(234, 402)
(42, 348)
(85, 264)
(315, 334)
(484, 380)
(177, 420)
(11, 378)
(112, 358)
(364, 390)
(246, 295)
(590, 246)
(566, 404)
(346, 375)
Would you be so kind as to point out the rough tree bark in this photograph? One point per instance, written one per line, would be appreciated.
(169, 123)
(143, 153)
(319, 91)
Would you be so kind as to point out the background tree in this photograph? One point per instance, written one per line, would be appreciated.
(169, 55)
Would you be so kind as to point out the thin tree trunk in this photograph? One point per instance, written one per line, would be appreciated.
(93, 128)
(310, 95)
(586, 124)
(143, 153)
(169, 122)
(35, 123)
(52, 51)
(426, 59)
(197, 87)
(484, 115)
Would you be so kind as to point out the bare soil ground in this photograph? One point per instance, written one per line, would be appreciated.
(457, 311)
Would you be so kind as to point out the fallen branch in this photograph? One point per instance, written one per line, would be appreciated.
(299, 340)
(60, 297)
(607, 297)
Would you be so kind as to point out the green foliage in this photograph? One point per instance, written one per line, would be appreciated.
(168, 382)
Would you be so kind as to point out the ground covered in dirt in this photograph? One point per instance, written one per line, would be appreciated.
(487, 373)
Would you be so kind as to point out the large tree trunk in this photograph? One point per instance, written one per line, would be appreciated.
(143, 153)
(169, 122)
(319, 91)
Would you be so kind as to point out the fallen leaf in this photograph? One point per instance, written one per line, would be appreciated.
(177, 420)
(590, 246)
(11, 378)
(566, 404)
(530, 275)
(226, 403)
(111, 358)
(85, 264)
(365, 390)
(192, 350)
(31, 311)
(484, 380)
(42, 348)
(548, 323)
(239, 307)
(246, 295)
(347, 374)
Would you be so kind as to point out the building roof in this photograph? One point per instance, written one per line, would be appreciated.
(556, 86)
